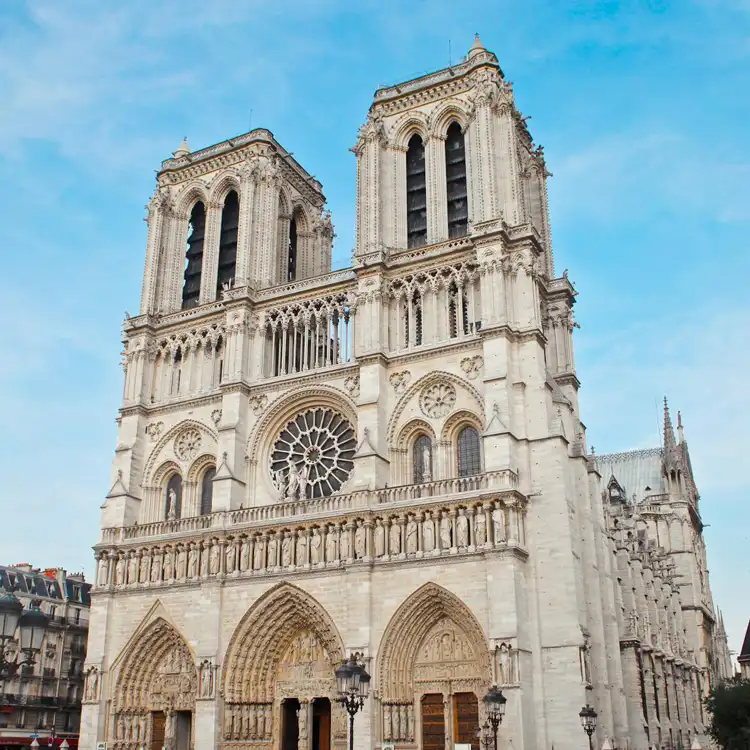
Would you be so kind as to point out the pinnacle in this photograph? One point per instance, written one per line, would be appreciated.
(477, 47)
(183, 149)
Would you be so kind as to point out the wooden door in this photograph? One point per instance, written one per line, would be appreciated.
(433, 722)
(322, 724)
(158, 729)
(465, 719)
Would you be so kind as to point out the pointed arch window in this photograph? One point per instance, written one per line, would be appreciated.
(291, 272)
(416, 193)
(207, 491)
(469, 452)
(422, 459)
(173, 498)
(191, 290)
(455, 175)
(230, 221)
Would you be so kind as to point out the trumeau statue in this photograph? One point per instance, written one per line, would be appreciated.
(171, 505)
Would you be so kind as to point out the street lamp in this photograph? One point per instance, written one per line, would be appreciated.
(588, 722)
(32, 623)
(495, 702)
(354, 686)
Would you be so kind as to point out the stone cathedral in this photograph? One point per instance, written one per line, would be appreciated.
(386, 460)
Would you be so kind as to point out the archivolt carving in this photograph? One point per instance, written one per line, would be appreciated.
(432, 637)
(264, 641)
(412, 428)
(457, 420)
(158, 673)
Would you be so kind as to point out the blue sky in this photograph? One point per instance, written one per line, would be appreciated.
(642, 108)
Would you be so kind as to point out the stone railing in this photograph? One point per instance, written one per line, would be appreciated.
(502, 480)
(369, 536)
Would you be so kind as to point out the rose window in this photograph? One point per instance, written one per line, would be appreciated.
(187, 444)
(438, 399)
(314, 453)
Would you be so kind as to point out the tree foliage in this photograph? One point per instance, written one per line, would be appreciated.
(729, 708)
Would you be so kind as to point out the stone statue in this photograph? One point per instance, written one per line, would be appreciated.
(498, 525)
(379, 538)
(214, 559)
(480, 527)
(206, 680)
(143, 577)
(133, 569)
(302, 483)
(411, 536)
(345, 548)
(395, 537)
(272, 545)
(387, 730)
(359, 541)
(426, 463)
(92, 684)
(181, 563)
(120, 569)
(103, 569)
(229, 556)
(292, 486)
(302, 547)
(204, 560)
(280, 482)
(258, 555)
(156, 567)
(245, 554)
(428, 533)
(446, 531)
(171, 505)
(302, 714)
(167, 565)
(286, 550)
(192, 568)
(315, 545)
(331, 544)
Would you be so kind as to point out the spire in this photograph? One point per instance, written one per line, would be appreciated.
(680, 434)
(183, 149)
(669, 442)
(476, 48)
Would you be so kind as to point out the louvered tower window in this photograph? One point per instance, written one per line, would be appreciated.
(230, 219)
(292, 262)
(455, 171)
(416, 194)
(191, 290)
(469, 453)
(207, 491)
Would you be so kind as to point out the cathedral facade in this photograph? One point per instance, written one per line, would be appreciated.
(384, 461)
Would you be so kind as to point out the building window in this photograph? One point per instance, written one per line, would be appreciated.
(173, 498)
(422, 459)
(416, 193)
(77, 616)
(230, 220)
(455, 174)
(291, 273)
(191, 291)
(469, 452)
(207, 491)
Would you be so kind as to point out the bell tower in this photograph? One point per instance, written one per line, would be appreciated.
(443, 154)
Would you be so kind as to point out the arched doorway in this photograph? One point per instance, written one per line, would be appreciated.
(279, 682)
(433, 668)
(154, 693)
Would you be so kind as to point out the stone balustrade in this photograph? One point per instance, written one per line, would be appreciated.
(369, 537)
(502, 480)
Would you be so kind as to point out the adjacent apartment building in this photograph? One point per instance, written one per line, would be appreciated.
(44, 699)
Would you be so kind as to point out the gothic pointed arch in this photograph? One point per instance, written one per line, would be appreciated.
(433, 643)
(286, 626)
(155, 672)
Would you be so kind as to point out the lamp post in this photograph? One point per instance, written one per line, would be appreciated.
(354, 686)
(588, 722)
(495, 702)
(31, 625)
